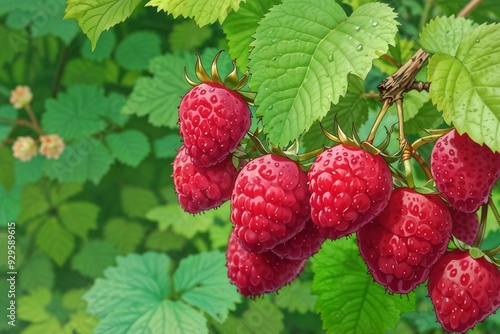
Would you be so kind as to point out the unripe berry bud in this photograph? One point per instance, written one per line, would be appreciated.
(21, 97)
(24, 148)
(52, 146)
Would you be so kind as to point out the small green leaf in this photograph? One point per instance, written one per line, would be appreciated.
(81, 71)
(125, 236)
(34, 202)
(464, 86)
(444, 34)
(93, 258)
(202, 282)
(33, 307)
(136, 202)
(65, 30)
(297, 297)
(80, 161)
(96, 16)
(400, 53)
(182, 222)
(103, 49)
(303, 53)
(165, 240)
(59, 193)
(134, 51)
(203, 12)
(9, 112)
(241, 25)
(37, 272)
(75, 113)
(55, 241)
(129, 147)
(187, 36)
(9, 204)
(28, 171)
(349, 301)
(167, 147)
(79, 217)
(81, 320)
(219, 235)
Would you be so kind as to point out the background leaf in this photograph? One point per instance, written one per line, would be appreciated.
(202, 282)
(129, 147)
(135, 50)
(444, 34)
(93, 257)
(125, 236)
(55, 241)
(302, 55)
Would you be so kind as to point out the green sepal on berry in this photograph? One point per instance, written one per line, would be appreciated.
(232, 81)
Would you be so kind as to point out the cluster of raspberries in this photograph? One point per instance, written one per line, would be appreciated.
(281, 214)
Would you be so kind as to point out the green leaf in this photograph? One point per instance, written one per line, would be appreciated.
(33, 307)
(55, 241)
(95, 16)
(75, 113)
(129, 147)
(7, 161)
(465, 86)
(81, 161)
(132, 299)
(167, 147)
(135, 50)
(349, 301)
(203, 12)
(34, 202)
(261, 317)
(72, 299)
(138, 283)
(172, 317)
(81, 320)
(103, 49)
(93, 258)
(81, 71)
(297, 297)
(9, 204)
(28, 171)
(181, 222)
(187, 36)
(65, 30)
(419, 113)
(351, 111)
(125, 236)
(165, 240)
(241, 25)
(444, 34)
(79, 217)
(219, 235)
(303, 53)
(37, 272)
(400, 54)
(59, 193)
(202, 282)
(136, 202)
(51, 325)
(5, 127)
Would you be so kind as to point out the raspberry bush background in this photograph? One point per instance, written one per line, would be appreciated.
(102, 243)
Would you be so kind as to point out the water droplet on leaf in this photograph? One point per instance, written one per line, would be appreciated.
(330, 57)
(359, 47)
(357, 28)
(375, 24)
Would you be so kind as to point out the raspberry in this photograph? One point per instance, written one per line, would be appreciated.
(303, 245)
(465, 225)
(201, 189)
(463, 290)
(464, 171)
(270, 202)
(213, 119)
(349, 187)
(406, 239)
(255, 274)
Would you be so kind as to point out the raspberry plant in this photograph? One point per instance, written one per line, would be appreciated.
(342, 153)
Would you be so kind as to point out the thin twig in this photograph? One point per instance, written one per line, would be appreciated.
(469, 7)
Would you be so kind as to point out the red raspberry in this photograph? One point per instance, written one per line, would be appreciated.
(349, 187)
(464, 290)
(303, 245)
(213, 119)
(406, 239)
(270, 202)
(255, 274)
(464, 171)
(465, 225)
(201, 189)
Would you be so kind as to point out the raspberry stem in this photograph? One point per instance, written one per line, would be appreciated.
(482, 226)
(377, 122)
(494, 210)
